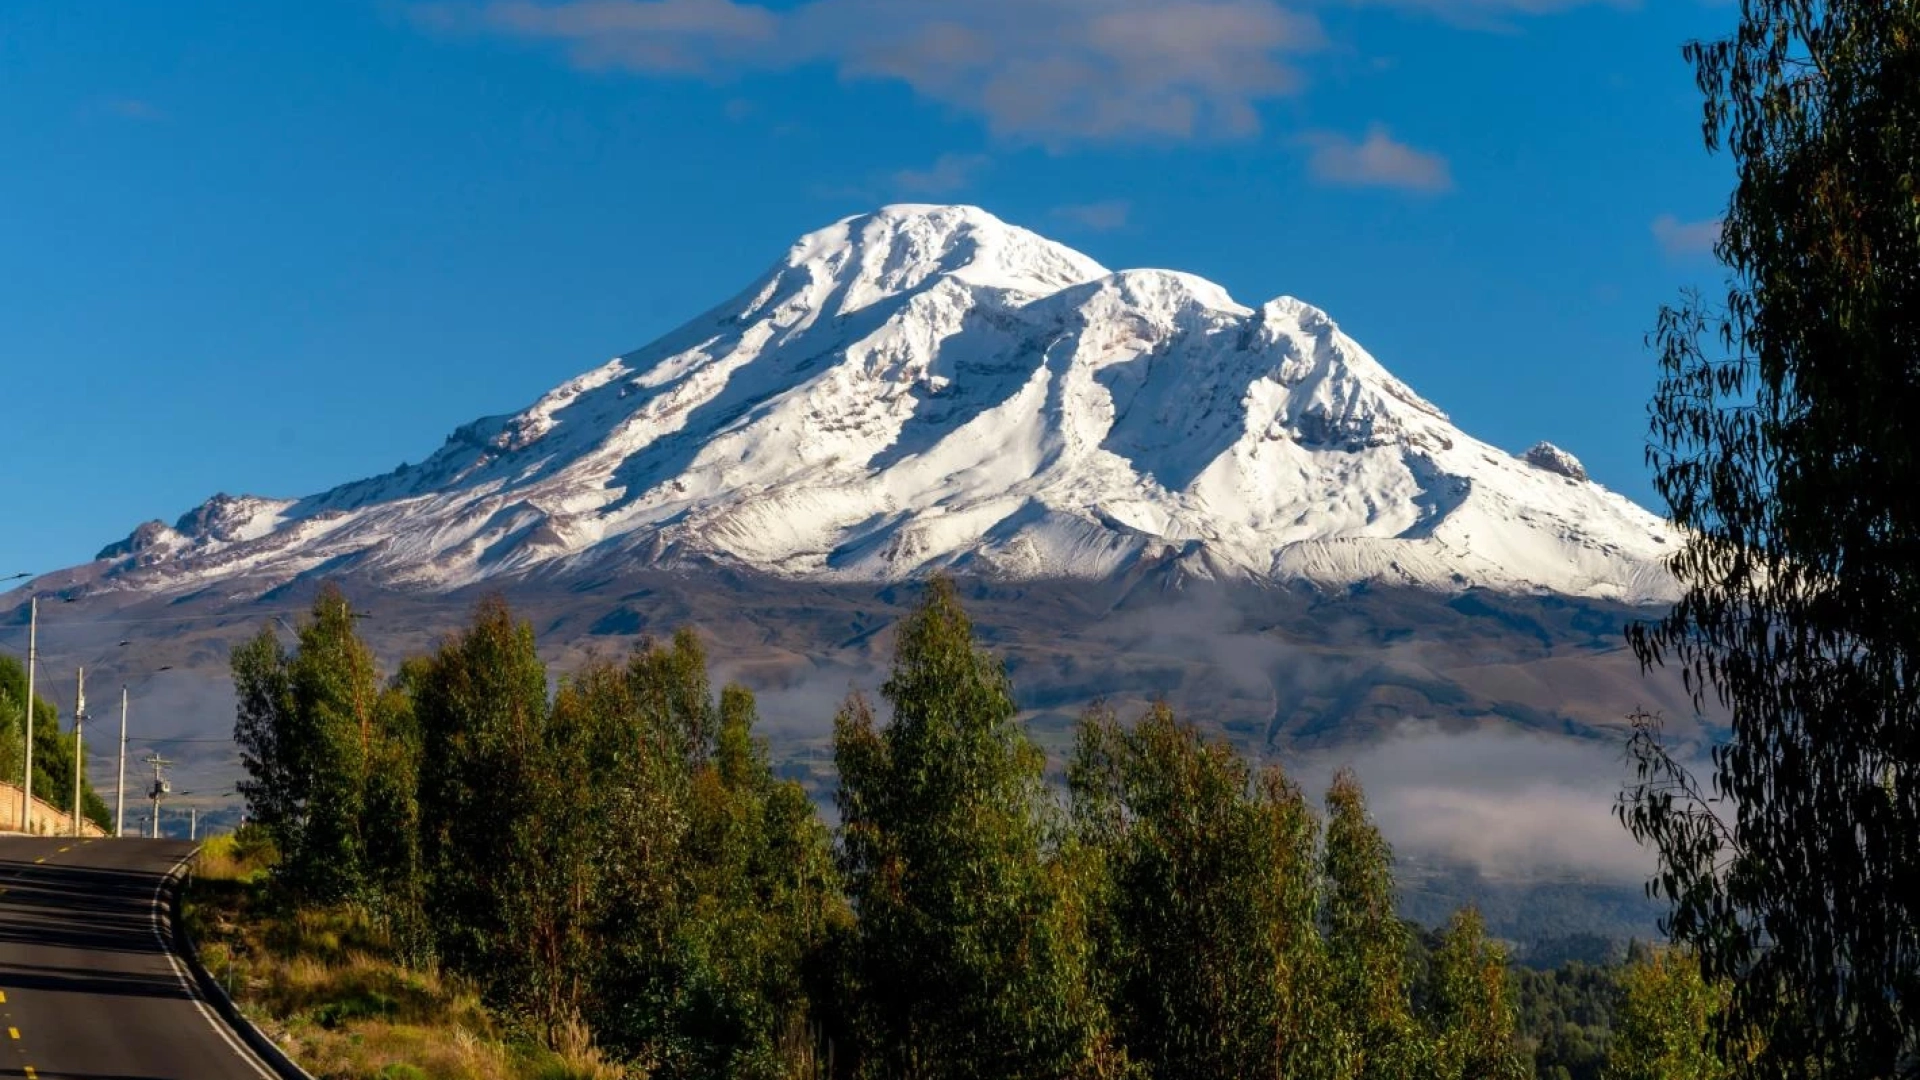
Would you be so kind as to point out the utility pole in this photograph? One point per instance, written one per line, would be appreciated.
(79, 746)
(193, 823)
(33, 655)
(120, 792)
(160, 788)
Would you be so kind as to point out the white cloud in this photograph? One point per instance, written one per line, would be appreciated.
(1102, 216)
(1375, 161)
(1512, 804)
(947, 174)
(1684, 239)
(1042, 70)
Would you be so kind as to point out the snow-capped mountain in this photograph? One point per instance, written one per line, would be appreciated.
(928, 387)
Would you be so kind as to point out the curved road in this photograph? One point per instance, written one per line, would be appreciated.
(91, 989)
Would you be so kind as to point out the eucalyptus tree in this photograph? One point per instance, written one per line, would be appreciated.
(1368, 982)
(310, 724)
(1210, 957)
(966, 958)
(1783, 444)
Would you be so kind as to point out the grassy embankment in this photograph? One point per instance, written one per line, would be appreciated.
(327, 987)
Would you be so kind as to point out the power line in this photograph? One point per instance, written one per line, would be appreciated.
(244, 616)
(104, 659)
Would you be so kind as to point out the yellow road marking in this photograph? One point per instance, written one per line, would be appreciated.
(31, 1075)
(13, 1033)
(3, 997)
(42, 858)
(64, 850)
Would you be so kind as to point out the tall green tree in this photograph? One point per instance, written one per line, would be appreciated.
(391, 819)
(1367, 945)
(716, 883)
(652, 993)
(482, 711)
(1782, 443)
(551, 908)
(1210, 956)
(335, 685)
(1664, 1028)
(761, 863)
(271, 752)
(966, 960)
(13, 717)
(309, 726)
(1469, 1006)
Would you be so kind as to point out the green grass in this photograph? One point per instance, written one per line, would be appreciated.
(327, 987)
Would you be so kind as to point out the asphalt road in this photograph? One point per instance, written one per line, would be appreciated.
(91, 990)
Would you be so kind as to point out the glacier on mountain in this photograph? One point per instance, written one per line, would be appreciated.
(927, 387)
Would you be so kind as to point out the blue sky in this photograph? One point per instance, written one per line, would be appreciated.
(269, 247)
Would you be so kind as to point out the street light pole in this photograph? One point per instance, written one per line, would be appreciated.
(79, 746)
(160, 788)
(33, 656)
(120, 792)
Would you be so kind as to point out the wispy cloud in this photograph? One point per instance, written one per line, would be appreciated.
(948, 173)
(1510, 803)
(1378, 160)
(1496, 15)
(678, 37)
(132, 109)
(1102, 216)
(1042, 70)
(1685, 239)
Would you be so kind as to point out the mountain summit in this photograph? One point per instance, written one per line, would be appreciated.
(928, 387)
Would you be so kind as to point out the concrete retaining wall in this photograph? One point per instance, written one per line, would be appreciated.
(47, 821)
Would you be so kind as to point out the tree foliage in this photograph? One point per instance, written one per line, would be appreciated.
(610, 856)
(485, 787)
(1205, 918)
(1367, 944)
(53, 749)
(1664, 1027)
(965, 959)
(1564, 1018)
(1782, 443)
(718, 887)
(312, 723)
(1470, 1006)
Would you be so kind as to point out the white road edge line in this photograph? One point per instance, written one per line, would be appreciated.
(193, 992)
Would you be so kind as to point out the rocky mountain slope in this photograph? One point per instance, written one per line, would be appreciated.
(928, 387)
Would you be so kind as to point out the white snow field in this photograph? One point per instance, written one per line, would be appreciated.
(928, 387)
